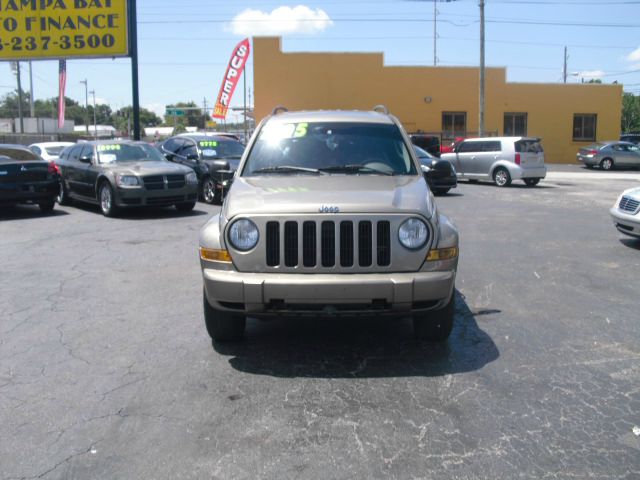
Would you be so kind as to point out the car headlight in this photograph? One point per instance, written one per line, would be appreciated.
(413, 233)
(244, 234)
(191, 178)
(127, 181)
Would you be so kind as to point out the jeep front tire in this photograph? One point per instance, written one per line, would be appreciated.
(222, 326)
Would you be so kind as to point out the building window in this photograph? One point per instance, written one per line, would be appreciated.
(584, 127)
(515, 124)
(454, 124)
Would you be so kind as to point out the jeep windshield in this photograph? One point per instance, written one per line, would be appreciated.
(336, 148)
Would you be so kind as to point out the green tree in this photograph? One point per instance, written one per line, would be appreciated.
(120, 119)
(630, 112)
(191, 118)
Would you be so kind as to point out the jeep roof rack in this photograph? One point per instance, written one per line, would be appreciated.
(381, 109)
(279, 109)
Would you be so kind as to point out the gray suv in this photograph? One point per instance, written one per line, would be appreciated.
(329, 214)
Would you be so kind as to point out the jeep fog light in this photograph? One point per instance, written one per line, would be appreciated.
(244, 234)
(442, 254)
(413, 234)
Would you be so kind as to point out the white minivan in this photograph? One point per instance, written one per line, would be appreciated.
(500, 159)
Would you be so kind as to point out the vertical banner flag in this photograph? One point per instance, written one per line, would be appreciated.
(62, 85)
(230, 81)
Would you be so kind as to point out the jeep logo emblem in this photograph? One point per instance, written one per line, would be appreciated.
(327, 209)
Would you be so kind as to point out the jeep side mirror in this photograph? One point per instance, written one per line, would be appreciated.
(85, 159)
(192, 156)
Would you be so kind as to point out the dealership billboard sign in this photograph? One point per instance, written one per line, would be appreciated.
(43, 29)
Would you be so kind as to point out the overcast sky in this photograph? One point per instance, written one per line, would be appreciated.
(185, 45)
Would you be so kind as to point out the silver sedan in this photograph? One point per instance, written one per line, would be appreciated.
(608, 155)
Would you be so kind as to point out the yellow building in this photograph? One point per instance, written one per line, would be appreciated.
(439, 100)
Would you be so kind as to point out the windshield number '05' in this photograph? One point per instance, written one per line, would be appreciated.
(326, 209)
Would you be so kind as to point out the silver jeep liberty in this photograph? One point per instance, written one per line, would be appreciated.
(329, 214)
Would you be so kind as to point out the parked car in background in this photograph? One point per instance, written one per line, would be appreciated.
(213, 158)
(611, 154)
(122, 174)
(430, 143)
(630, 137)
(626, 212)
(26, 178)
(450, 147)
(49, 151)
(329, 215)
(438, 172)
(501, 159)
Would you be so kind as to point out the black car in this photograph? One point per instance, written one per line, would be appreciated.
(214, 158)
(27, 178)
(430, 143)
(119, 174)
(630, 137)
(439, 173)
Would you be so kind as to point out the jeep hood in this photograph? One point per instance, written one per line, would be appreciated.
(298, 194)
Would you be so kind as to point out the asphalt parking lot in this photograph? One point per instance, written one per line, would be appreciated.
(106, 370)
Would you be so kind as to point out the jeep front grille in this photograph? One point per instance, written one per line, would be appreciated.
(334, 250)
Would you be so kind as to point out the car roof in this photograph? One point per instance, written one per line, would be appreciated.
(52, 144)
(513, 139)
(14, 145)
(332, 116)
(199, 136)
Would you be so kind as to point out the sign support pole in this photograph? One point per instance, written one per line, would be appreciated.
(20, 113)
(133, 42)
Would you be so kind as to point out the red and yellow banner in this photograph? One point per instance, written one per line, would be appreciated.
(230, 81)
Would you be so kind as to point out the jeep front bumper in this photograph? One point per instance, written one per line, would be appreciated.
(327, 294)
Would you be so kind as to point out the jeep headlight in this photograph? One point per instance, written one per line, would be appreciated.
(413, 233)
(127, 181)
(244, 234)
(191, 178)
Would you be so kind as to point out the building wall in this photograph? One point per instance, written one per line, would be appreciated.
(419, 95)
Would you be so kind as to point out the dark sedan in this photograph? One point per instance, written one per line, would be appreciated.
(27, 178)
(118, 174)
(214, 158)
(439, 173)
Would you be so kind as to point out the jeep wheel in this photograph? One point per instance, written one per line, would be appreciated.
(46, 206)
(501, 177)
(208, 191)
(107, 200)
(436, 325)
(531, 182)
(63, 194)
(185, 207)
(222, 326)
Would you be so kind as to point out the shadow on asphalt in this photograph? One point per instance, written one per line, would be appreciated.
(513, 185)
(146, 213)
(27, 212)
(358, 348)
(631, 243)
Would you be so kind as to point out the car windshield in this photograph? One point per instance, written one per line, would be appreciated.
(18, 154)
(422, 154)
(54, 151)
(594, 146)
(346, 148)
(214, 149)
(127, 152)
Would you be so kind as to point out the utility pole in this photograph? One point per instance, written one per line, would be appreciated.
(20, 114)
(204, 114)
(481, 111)
(95, 124)
(86, 104)
(564, 70)
(435, 32)
(32, 108)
